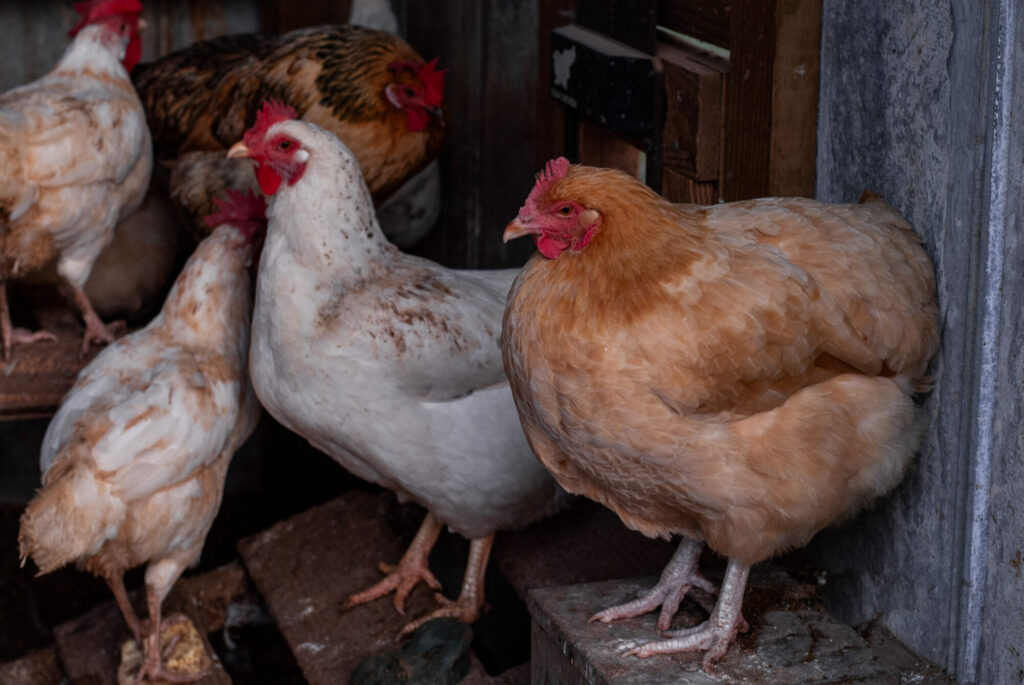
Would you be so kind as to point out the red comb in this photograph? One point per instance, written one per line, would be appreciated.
(94, 10)
(554, 170)
(237, 207)
(432, 79)
(273, 112)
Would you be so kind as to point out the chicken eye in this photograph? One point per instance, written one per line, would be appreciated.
(409, 92)
(565, 211)
(284, 145)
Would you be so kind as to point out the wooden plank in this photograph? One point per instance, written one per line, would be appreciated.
(307, 566)
(36, 377)
(453, 30)
(599, 147)
(679, 188)
(795, 97)
(706, 20)
(748, 101)
(90, 646)
(792, 640)
(633, 22)
(40, 667)
(694, 90)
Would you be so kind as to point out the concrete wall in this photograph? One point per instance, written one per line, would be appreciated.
(921, 101)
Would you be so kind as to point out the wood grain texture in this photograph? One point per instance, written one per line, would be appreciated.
(706, 20)
(748, 101)
(694, 90)
(679, 188)
(599, 147)
(795, 97)
(305, 567)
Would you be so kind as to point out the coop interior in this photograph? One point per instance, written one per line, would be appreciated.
(704, 102)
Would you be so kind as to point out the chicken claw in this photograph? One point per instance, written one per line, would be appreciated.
(714, 636)
(676, 580)
(413, 568)
(11, 335)
(466, 609)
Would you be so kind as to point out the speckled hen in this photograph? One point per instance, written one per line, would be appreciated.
(368, 87)
(740, 375)
(134, 460)
(76, 158)
(387, 362)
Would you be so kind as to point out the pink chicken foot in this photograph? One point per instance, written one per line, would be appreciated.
(714, 635)
(470, 604)
(676, 580)
(12, 336)
(413, 568)
(95, 330)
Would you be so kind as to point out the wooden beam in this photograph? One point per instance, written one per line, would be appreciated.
(795, 97)
(770, 124)
(706, 20)
(694, 89)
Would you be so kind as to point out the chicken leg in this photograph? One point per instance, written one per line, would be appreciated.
(95, 330)
(714, 635)
(413, 568)
(160, 577)
(12, 335)
(470, 604)
(116, 582)
(676, 580)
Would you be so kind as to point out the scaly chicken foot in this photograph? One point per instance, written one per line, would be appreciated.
(95, 330)
(413, 568)
(116, 583)
(714, 636)
(153, 668)
(16, 336)
(676, 580)
(470, 604)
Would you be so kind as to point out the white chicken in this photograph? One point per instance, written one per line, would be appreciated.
(76, 158)
(388, 363)
(134, 461)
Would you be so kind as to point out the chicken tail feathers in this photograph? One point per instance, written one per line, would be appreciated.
(69, 519)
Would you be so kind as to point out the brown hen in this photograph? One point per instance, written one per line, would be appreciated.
(740, 374)
(370, 88)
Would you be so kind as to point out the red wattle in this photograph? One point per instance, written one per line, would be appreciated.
(550, 247)
(269, 179)
(132, 54)
(417, 119)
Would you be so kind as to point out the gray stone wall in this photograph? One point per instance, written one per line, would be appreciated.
(921, 101)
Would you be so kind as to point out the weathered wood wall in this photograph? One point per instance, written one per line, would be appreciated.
(503, 124)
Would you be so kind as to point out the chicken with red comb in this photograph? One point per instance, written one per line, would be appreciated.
(135, 458)
(76, 158)
(387, 362)
(368, 87)
(112, 11)
(741, 375)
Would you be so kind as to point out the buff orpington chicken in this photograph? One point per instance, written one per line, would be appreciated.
(76, 158)
(134, 461)
(741, 375)
(387, 362)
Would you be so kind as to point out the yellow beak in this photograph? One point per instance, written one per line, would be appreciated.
(238, 150)
(516, 229)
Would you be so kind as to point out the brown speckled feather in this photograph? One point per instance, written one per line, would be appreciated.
(205, 96)
(740, 373)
